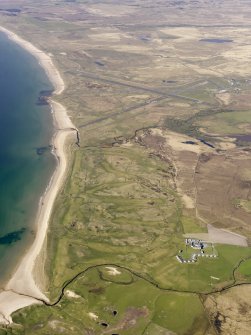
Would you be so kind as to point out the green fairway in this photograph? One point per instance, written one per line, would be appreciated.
(104, 306)
(180, 313)
(244, 270)
(227, 123)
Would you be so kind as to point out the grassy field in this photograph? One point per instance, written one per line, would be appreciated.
(120, 232)
(103, 306)
(122, 212)
(128, 69)
(192, 224)
(244, 272)
(235, 122)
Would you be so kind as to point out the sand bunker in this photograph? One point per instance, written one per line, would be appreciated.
(112, 271)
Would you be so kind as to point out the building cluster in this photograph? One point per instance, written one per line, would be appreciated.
(195, 244)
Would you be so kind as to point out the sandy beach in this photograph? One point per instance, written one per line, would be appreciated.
(22, 289)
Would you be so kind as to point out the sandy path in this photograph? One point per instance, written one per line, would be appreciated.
(22, 289)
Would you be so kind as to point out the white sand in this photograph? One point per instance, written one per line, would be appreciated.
(93, 316)
(71, 294)
(22, 290)
(112, 271)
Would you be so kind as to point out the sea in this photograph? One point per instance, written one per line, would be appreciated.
(26, 161)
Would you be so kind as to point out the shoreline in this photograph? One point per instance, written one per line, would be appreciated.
(22, 289)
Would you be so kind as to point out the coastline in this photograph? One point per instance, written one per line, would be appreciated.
(22, 289)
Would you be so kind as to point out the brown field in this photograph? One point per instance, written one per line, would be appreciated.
(230, 311)
(214, 184)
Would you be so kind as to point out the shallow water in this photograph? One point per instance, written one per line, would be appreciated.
(25, 171)
(242, 138)
(216, 40)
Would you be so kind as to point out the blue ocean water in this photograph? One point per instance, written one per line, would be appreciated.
(26, 162)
